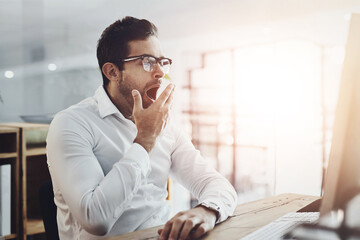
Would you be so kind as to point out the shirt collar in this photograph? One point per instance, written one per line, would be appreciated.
(105, 105)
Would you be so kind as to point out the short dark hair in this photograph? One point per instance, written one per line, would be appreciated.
(113, 43)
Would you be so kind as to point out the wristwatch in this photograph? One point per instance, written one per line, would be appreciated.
(213, 207)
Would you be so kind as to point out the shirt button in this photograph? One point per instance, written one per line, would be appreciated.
(155, 217)
(149, 198)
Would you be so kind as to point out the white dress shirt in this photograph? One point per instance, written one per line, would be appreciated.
(105, 185)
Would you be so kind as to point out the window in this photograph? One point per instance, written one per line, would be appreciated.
(262, 114)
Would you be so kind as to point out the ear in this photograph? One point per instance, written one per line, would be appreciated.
(111, 71)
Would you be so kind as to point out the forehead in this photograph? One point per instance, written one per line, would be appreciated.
(150, 46)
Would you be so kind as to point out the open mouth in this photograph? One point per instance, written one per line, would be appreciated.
(151, 92)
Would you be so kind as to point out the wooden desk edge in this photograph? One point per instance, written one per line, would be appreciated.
(247, 217)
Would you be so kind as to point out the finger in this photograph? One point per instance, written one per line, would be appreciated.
(176, 228)
(165, 121)
(165, 232)
(188, 226)
(169, 100)
(165, 94)
(160, 231)
(200, 230)
(137, 101)
(176, 216)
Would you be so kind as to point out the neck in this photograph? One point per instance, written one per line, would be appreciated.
(120, 103)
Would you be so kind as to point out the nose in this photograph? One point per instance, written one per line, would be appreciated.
(158, 72)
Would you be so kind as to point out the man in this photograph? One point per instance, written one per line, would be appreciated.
(110, 155)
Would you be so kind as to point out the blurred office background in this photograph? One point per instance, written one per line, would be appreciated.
(257, 81)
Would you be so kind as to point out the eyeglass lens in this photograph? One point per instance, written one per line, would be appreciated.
(149, 64)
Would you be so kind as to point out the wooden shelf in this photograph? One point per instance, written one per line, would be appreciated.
(23, 145)
(5, 129)
(26, 125)
(34, 226)
(11, 236)
(35, 151)
(8, 155)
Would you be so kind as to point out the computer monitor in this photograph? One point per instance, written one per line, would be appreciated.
(342, 179)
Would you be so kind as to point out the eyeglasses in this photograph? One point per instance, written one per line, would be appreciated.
(149, 62)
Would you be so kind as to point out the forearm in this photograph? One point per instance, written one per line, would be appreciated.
(203, 181)
(220, 193)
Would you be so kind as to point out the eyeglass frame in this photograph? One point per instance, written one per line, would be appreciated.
(157, 60)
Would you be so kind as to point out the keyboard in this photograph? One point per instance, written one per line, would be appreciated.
(278, 228)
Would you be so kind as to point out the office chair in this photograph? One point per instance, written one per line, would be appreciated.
(48, 211)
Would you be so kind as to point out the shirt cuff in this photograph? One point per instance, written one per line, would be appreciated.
(213, 205)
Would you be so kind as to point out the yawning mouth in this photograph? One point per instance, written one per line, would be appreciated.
(151, 92)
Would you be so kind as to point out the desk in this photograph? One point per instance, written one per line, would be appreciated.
(247, 217)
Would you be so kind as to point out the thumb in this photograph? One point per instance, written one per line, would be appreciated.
(137, 100)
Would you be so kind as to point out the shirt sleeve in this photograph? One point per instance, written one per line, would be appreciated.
(203, 181)
(95, 200)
